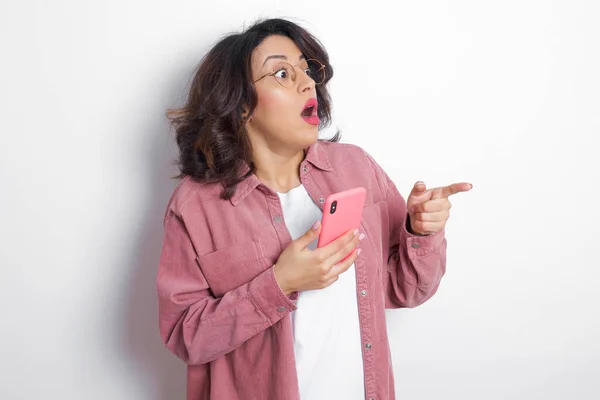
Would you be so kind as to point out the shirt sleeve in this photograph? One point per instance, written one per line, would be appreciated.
(416, 264)
(195, 325)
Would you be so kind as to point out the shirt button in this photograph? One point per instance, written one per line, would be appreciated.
(281, 309)
(305, 168)
(277, 218)
(363, 292)
(415, 245)
(368, 345)
(321, 200)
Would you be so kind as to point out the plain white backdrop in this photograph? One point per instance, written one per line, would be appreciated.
(505, 95)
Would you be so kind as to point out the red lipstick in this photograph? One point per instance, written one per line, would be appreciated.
(309, 112)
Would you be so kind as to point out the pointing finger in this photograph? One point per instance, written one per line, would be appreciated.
(455, 188)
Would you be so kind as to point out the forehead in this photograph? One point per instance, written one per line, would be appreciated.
(275, 44)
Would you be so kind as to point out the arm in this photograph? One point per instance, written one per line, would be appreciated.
(416, 263)
(195, 325)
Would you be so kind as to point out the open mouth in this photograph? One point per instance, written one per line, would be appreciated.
(309, 111)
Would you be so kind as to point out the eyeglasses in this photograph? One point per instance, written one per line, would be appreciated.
(285, 73)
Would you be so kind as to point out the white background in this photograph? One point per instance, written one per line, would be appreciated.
(504, 95)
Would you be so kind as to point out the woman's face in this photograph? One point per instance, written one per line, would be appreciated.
(282, 119)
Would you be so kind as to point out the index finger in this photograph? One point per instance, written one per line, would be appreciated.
(455, 188)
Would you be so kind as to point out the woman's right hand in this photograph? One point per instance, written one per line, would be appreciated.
(299, 268)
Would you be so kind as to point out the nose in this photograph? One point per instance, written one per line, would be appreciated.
(305, 82)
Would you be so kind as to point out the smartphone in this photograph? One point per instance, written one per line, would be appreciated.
(341, 212)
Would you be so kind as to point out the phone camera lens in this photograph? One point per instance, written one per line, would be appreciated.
(333, 207)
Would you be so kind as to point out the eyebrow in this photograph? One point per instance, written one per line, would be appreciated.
(282, 57)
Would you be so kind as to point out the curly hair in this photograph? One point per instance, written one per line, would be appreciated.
(210, 132)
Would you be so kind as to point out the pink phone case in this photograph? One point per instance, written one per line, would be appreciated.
(348, 213)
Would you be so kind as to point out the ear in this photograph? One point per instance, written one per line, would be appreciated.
(245, 114)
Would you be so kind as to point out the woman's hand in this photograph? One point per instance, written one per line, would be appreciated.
(429, 210)
(299, 268)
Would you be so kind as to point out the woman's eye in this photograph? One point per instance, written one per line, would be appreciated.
(307, 71)
(282, 73)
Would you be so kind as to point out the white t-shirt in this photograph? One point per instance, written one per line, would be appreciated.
(327, 342)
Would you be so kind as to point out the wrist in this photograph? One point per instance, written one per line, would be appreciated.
(280, 281)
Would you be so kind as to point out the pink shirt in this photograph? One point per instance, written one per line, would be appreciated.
(220, 307)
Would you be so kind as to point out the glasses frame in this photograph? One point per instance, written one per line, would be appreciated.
(323, 66)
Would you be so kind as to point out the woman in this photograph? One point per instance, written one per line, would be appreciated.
(245, 298)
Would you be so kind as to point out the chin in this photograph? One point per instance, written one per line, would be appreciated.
(300, 139)
(311, 137)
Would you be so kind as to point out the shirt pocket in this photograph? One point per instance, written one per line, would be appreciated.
(232, 266)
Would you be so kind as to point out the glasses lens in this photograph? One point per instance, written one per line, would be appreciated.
(284, 73)
(316, 71)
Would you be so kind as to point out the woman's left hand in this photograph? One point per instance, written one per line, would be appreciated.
(429, 209)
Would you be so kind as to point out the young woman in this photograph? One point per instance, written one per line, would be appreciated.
(245, 298)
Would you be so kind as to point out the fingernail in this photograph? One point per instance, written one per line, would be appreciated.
(316, 225)
(358, 252)
(355, 232)
(362, 236)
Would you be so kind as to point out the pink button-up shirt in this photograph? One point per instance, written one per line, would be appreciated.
(220, 307)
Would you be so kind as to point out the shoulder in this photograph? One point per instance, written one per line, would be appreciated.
(356, 160)
(342, 153)
(188, 190)
(356, 163)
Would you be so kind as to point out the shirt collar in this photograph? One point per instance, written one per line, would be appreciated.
(316, 154)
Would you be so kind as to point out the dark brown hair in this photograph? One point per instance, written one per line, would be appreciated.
(213, 143)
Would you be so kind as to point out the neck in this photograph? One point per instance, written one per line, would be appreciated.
(278, 169)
